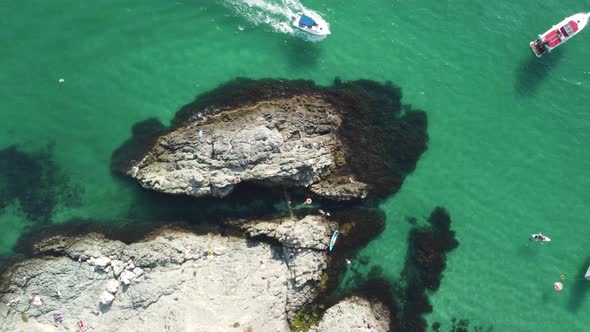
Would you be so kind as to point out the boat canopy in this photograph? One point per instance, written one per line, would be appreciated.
(553, 39)
(307, 21)
(569, 29)
(564, 32)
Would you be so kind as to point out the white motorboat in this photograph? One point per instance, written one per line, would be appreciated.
(311, 23)
(559, 33)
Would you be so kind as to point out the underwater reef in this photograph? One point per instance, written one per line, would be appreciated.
(34, 182)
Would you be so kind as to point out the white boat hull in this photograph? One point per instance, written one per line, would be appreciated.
(321, 27)
(559, 33)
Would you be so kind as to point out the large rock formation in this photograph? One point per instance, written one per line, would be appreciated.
(174, 281)
(304, 244)
(341, 143)
(355, 314)
(283, 142)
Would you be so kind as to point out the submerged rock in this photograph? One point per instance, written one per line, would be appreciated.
(34, 183)
(178, 278)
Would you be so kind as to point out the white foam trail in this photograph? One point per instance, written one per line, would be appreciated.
(275, 13)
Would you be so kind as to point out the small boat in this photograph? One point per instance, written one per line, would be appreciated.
(540, 237)
(311, 23)
(587, 276)
(559, 33)
(333, 240)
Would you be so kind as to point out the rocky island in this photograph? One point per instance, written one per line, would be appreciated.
(341, 143)
(283, 142)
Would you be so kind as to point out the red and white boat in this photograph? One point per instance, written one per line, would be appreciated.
(559, 33)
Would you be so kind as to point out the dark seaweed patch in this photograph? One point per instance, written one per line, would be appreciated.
(247, 201)
(143, 136)
(35, 183)
(358, 225)
(462, 325)
(425, 262)
(386, 138)
(407, 299)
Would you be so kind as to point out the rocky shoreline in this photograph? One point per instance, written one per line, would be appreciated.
(172, 281)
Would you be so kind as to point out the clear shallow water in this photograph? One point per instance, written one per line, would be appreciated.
(507, 153)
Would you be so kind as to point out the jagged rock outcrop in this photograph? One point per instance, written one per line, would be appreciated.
(173, 281)
(347, 141)
(354, 314)
(305, 243)
(289, 142)
(311, 232)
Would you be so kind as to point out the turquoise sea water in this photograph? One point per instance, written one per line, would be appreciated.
(507, 153)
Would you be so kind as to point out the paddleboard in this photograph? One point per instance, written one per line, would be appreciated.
(545, 238)
(333, 240)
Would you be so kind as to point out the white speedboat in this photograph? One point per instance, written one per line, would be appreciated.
(559, 33)
(311, 23)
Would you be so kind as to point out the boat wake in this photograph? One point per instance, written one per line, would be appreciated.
(277, 14)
